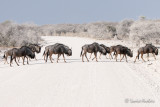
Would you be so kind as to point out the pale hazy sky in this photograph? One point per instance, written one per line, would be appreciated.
(76, 11)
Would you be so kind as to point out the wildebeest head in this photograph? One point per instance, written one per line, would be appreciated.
(102, 50)
(156, 51)
(129, 53)
(30, 53)
(69, 52)
(37, 48)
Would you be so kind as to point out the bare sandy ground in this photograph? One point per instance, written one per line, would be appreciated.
(76, 84)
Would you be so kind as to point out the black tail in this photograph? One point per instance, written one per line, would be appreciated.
(138, 55)
(4, 55)
(114, 53)
(11, 60)
(47, 55)
(81, 52)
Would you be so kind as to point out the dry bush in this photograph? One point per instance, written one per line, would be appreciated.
(123, 29)
(142, 30)
(15, 35)
(147, 31)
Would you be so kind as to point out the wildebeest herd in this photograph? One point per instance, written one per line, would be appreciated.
(61, 49)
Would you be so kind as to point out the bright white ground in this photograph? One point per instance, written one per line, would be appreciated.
(76, 84)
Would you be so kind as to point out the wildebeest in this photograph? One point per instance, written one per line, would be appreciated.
(6, 54)
(106, 48)
(119, 49)
(59, 49)
(112, 49)
(149, 48)
(22, 52)
(49, 47)
(92, 48)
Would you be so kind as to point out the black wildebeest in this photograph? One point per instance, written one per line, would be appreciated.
(22, 52)
(92, 48)
(149, 48)
(119, 49)
(59, 49)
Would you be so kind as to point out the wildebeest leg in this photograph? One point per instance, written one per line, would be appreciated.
(27, 60)
(16, 61)
(86, 57)
(18, 58)
(142, 57)
(50, 56)
(148, 56)
(47, 56)
(106, 56)
(100, 55)
(11, 59)
(58, 57)
(44, 56)
(82, 57)
(95, 54)
(154, 56)
(126, 57)
(23, 58)
(90, 56)
(121, 58)
(116, 56)
(6, 60)
(64, 58)
(136, 57)
(35, 58)
(110, 56)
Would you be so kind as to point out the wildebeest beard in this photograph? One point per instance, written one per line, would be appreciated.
(32, 56)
